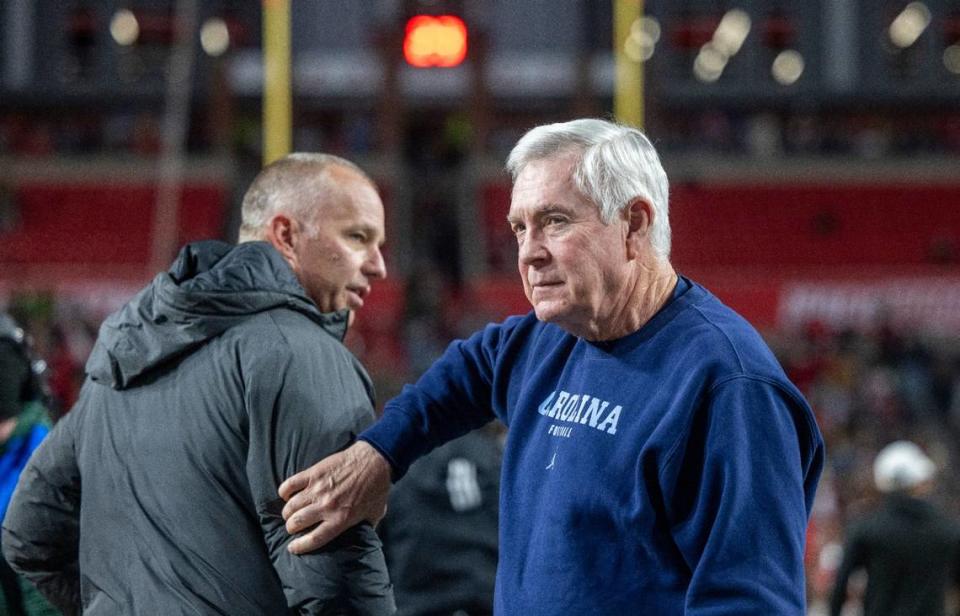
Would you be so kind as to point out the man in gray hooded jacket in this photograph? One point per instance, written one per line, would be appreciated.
(218, 380)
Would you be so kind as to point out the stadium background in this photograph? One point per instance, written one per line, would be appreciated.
(813, 150)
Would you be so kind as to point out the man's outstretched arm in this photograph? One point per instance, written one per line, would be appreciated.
(449, 400)
(335, 494)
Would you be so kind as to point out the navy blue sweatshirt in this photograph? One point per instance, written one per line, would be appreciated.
(671, 471)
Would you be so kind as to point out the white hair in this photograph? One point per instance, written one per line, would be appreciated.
(292, 185)
(617, 164)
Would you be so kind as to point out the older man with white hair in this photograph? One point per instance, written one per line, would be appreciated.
(658, 459)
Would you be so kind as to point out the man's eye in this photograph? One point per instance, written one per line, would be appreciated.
(518, 229)
(360, 237)
(553, 220)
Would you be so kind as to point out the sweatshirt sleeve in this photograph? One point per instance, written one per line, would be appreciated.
(41, 530)
(303, 405)
(739, 487)
(452, 397)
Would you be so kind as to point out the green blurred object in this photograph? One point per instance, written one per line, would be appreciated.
(29, 307)
(33, 603)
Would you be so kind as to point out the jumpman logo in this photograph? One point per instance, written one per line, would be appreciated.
(553, 461)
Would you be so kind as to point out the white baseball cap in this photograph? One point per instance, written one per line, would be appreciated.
(901, 465)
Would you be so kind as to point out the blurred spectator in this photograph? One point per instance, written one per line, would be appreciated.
(23, 425)
(909, 549)
(440, 533)
(425, 333)
(82, 28)
(62, 334)
(764, 135)
(145, 139)
(66, 371)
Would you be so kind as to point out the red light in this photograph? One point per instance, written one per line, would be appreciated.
(435, 41)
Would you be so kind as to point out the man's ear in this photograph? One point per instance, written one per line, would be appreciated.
(283, 234)
(639, 214)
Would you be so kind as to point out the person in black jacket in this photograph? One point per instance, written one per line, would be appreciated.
(909, 549)
(440, 532)
(223, 376)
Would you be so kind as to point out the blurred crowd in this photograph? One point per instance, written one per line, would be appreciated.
(868, 387)
(863, 135)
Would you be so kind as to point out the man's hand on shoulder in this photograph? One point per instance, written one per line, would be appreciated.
(335, 494)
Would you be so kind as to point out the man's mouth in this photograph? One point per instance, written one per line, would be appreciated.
(360, 293)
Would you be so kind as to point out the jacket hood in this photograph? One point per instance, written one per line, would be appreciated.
(210, 287)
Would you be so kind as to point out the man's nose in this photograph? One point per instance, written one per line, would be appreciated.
(375, 267)
(532, 250)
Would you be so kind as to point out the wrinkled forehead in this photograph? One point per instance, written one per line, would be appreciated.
(352, 203)
(339, 191)
(545, 183)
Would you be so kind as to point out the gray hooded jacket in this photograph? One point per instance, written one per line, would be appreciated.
(216, 382)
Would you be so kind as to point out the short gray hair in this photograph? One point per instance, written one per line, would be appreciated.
(289, 185)
(617, 164)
